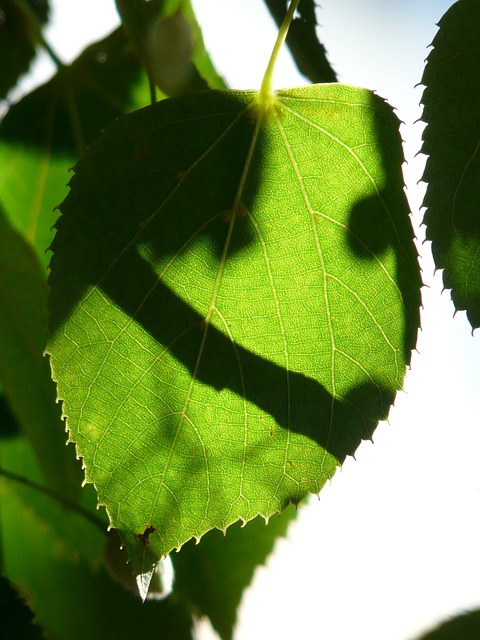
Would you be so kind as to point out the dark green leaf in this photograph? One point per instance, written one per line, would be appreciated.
(452, 141)
(302, 39)
(214, 573)
(9, 426)
(234, 300)
(20, 25)
(16, 621)
(463, 627)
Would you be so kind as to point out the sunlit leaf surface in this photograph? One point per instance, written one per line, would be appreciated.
(233, 303)
(452, 141)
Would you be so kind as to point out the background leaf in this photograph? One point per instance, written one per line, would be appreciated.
(463, 627)
(214, 574)
(54, 557)
(168, 40)
(20, 25)
(42, 136)
(24, 372)
(16, 621)
(452, 141)
(302, 39)
(230, 317)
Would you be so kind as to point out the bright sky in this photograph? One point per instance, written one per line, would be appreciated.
(392, 546)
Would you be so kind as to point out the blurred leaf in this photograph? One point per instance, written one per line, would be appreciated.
(42, 135)
(234, 299)
(78, 528)
(302, 39)
(9, 426)
(24, 371)
(168, 39)
(463, 627)
(214, 574)
(50, 563)
(20, 25)
(452, 142)
(16, 621)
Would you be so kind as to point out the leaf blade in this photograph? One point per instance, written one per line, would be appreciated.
(452, 144)
(255, 383)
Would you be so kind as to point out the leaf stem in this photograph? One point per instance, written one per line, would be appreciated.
(65, 502)
(266, 90)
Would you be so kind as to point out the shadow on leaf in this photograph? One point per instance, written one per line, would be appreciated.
(153, 244)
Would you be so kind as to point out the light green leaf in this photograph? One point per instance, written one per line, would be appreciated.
(76, 528)
(42, 136)
(452, 141)
(53, 557)
(24, 372)
(234, 300)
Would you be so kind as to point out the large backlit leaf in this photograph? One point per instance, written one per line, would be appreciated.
(452, 141)
(42, 136)
(20, 25)
(233, 304)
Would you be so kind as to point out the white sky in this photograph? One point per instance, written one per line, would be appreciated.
(392, 546)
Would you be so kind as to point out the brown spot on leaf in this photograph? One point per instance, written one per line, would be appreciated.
(143, 537)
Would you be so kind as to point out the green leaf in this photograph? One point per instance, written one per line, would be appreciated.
(20, 25)
(302, 39)
(42, 136)
(234, 299)
(50, 562)
(452, 141)
(465, 626)
(24, 372)
(213, 574)
(16, 621)
(168, 39)
(8, 423)
(79, 530)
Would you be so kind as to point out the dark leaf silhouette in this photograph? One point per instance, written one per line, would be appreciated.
(452, 142)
